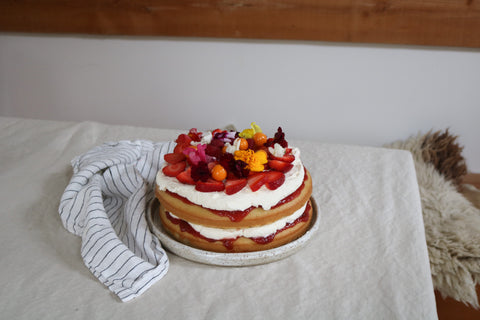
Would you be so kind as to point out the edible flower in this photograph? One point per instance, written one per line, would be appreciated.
(249, 133)
(231, 148)
(277, 150)
(200, 172)
(278, 138)
(196, 154)
(255, 160)
(225, 136)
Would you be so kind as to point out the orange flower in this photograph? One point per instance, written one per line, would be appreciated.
(255, 160)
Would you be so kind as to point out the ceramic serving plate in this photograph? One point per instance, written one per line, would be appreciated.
(228, 259)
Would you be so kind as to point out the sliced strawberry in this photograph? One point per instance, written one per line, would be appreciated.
(216, 131)
(285, 158)
(281, 166)
(185, 177)
(183, 139)
(180, 147)
(274, 179)
(209, 186)
(195, 135)
(235, 185)
(172, 170)
(256, 181)
(173, 158)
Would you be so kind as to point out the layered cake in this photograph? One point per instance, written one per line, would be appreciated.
(228, 191)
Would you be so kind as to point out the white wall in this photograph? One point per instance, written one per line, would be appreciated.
(355, 94)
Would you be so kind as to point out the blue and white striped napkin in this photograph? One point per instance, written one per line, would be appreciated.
(105, 203)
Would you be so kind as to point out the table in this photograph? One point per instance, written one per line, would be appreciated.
(368, 259)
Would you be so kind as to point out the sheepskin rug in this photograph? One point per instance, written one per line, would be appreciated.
(452, 223)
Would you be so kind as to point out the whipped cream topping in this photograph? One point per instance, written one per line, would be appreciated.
(277, 150)
(206, 139)
(254, 232)
(241, 200)
(232, 148)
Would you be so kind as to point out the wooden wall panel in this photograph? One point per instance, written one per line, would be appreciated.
(417, 22)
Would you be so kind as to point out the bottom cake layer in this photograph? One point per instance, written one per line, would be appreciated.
(186, 234)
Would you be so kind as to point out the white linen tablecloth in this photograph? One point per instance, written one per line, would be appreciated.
(368, 259)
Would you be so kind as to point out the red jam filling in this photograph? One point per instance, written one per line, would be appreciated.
(239, 215)
(228, 243)
(186, 227)
(268, 239)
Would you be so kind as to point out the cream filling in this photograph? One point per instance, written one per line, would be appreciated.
(254, 232)
(241, 200)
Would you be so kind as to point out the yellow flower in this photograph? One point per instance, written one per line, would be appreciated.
(249, 133)
(258, 160)
(255, 160)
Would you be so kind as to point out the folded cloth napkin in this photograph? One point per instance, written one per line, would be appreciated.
(105, 203)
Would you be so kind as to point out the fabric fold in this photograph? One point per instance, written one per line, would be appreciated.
(105, 203)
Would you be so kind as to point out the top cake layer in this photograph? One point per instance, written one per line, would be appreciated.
(243, 199)
(258, 171)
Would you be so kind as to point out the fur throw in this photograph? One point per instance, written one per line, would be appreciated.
(452, 223)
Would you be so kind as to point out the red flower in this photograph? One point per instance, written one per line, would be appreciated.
(200, 172)
(278, 138)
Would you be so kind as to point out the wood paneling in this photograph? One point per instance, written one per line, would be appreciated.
(418, 22)
(473, 179)
(450, 309)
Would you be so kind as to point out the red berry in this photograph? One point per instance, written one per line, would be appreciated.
(213, 151)
(173, 158)
(256, 181)
(179, 148)
(185, 177)
(233, 186)
(274, 179)
(195, 135)
(172, 170)
(281, 166)
(217, 143)
(183, 139)
(285, 158)
(209, 186)
(251, 143)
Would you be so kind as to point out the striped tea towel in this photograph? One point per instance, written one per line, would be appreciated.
(105, 203)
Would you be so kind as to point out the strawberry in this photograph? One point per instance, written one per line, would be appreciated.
(183, 139)
(179, 148)
(285, 158)
(256, 181)
(274, 179)
(209, 186)
(185, 177)
(195, 135)
(173, 158)
(172, 170)
(281, 166)
(234, 185)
